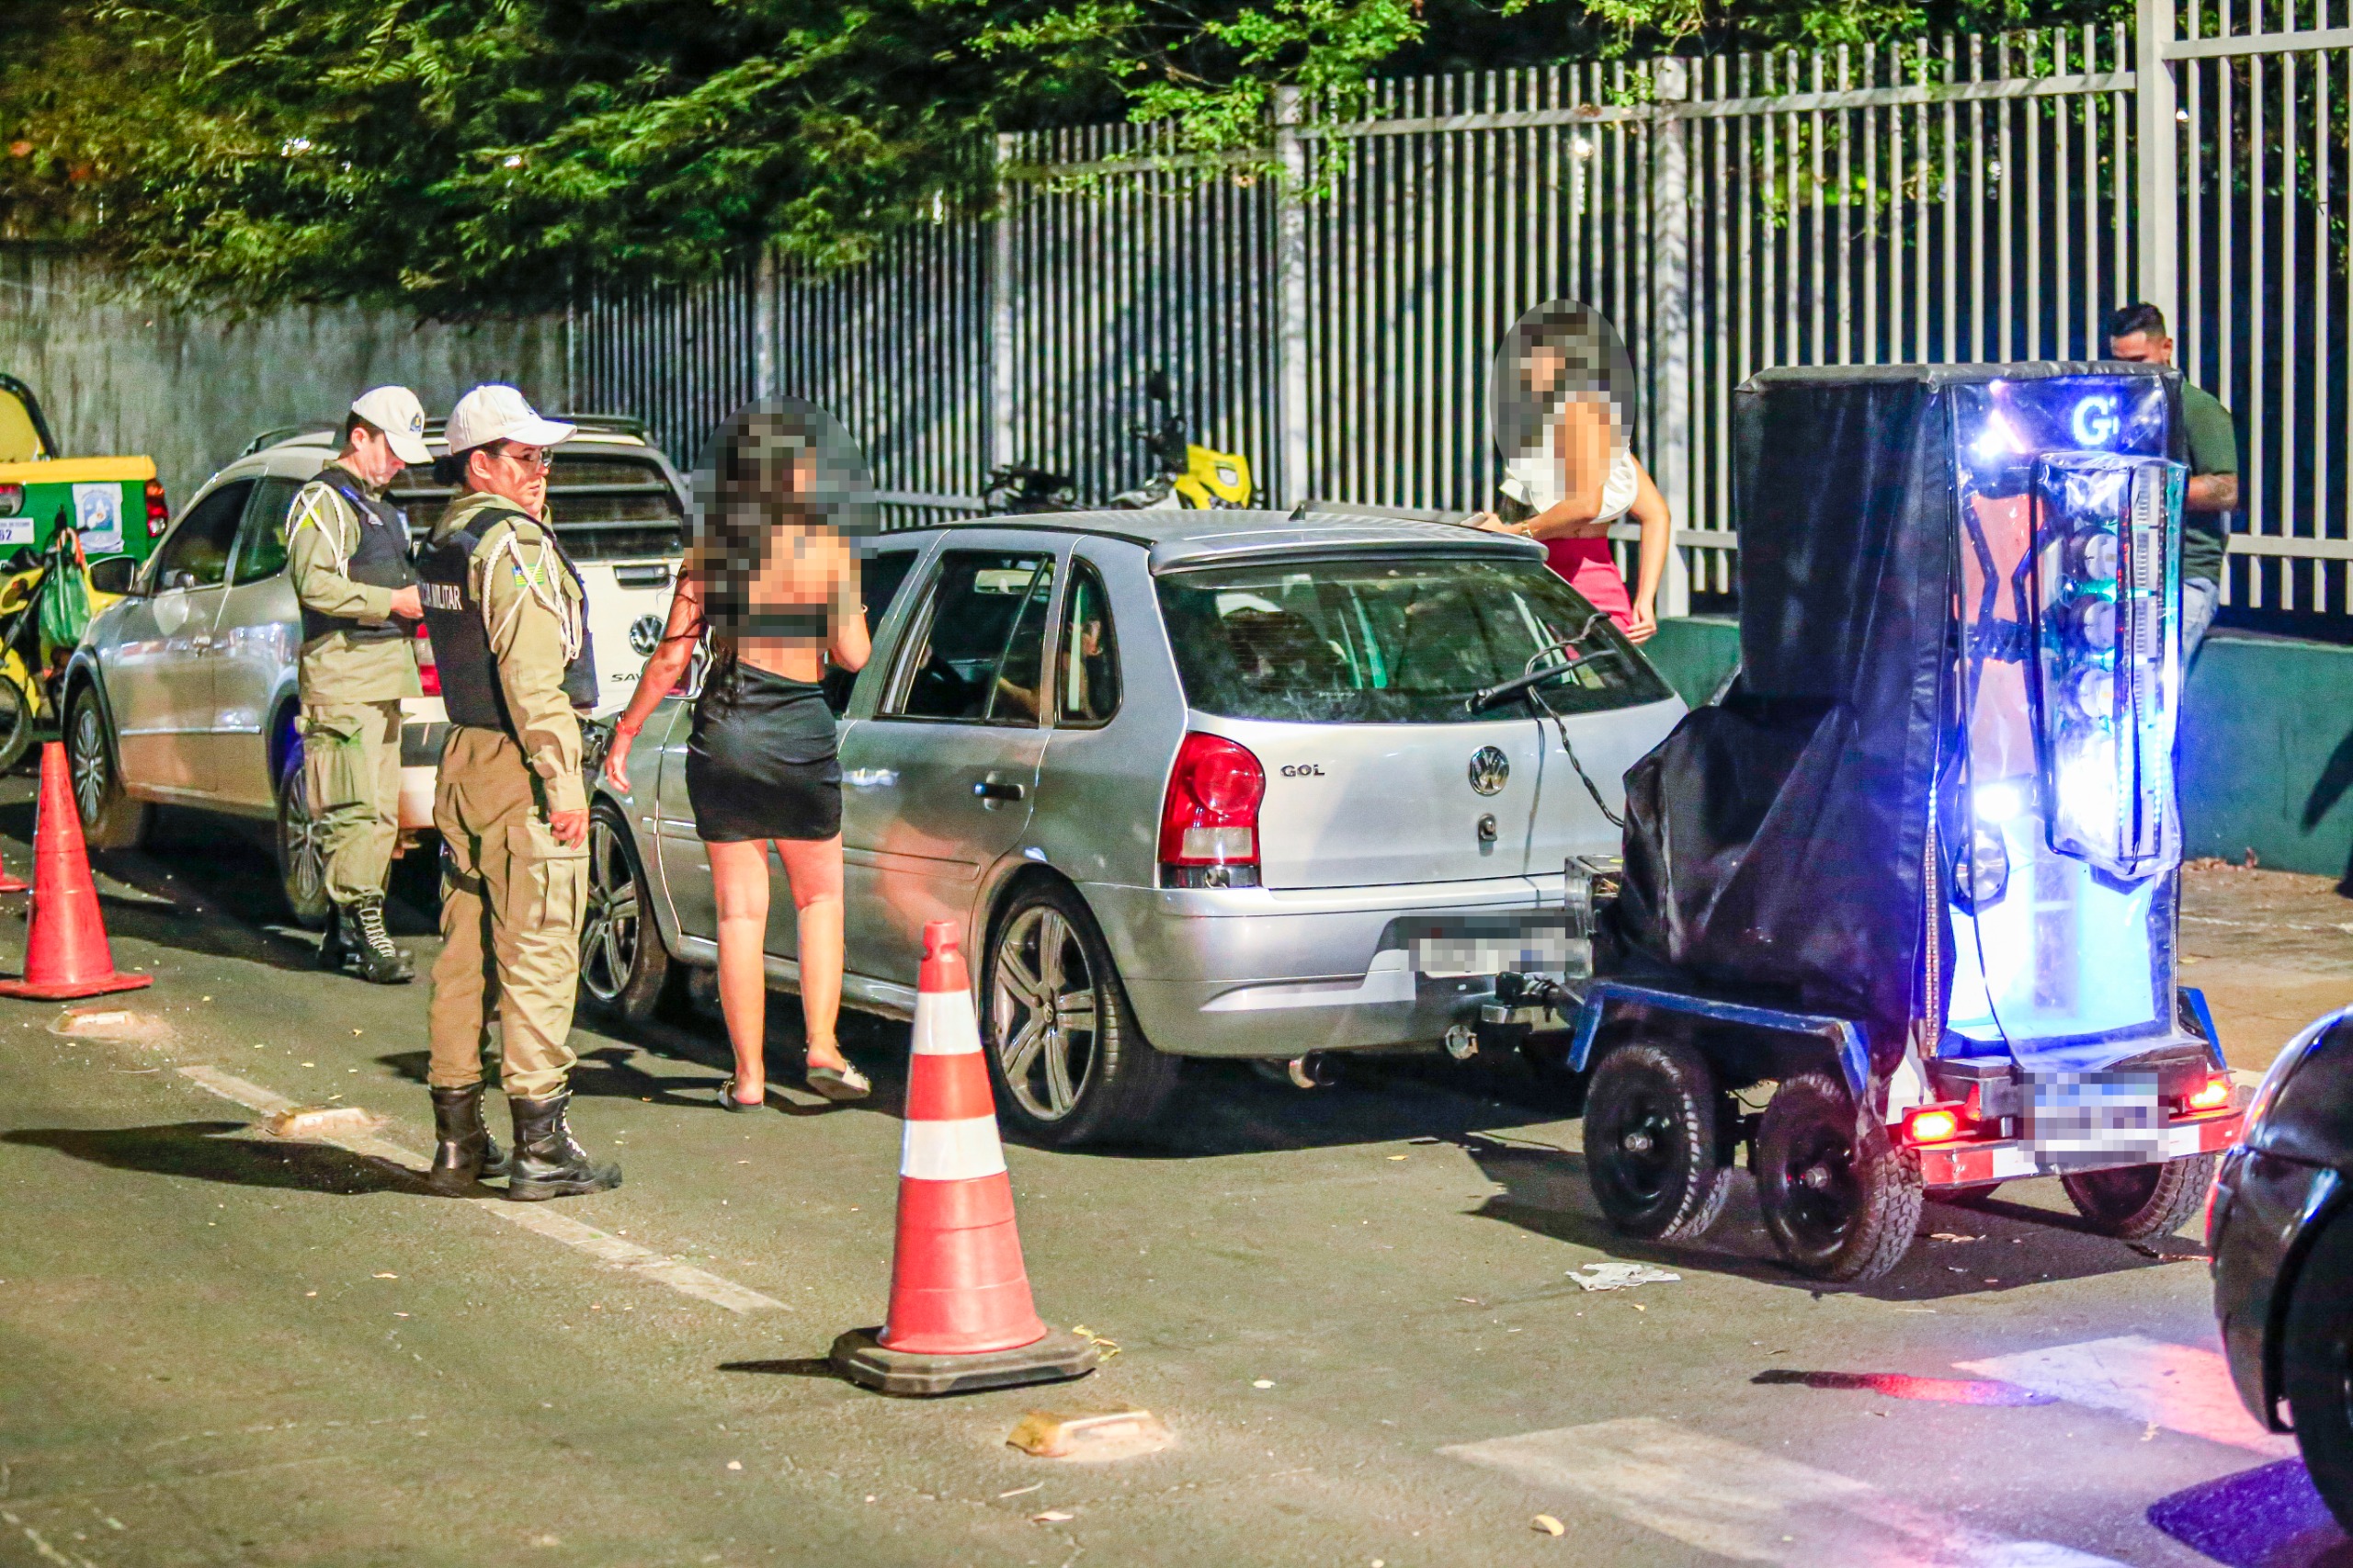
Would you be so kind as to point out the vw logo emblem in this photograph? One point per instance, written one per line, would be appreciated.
(645, 635)
(1489, 768)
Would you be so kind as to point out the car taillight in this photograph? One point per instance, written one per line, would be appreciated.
(12, 500)
(159, 511)
(2215, 1093)
(1209, 820)
(1934, 1124)
(428, 673)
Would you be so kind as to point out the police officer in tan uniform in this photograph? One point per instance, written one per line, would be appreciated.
(505, 609)
(346, 549)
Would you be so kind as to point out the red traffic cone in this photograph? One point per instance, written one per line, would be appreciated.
(66, 954)
(960, 1314)
(11, 882)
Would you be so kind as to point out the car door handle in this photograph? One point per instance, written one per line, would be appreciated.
(989, 790)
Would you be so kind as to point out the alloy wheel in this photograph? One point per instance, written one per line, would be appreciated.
(1043, 1005)
(305, 859)
(86, 760)
(609, 931)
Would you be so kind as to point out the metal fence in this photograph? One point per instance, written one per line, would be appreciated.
(1961, 199)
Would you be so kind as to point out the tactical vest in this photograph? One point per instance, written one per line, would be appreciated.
(453, 619)
(379, 560)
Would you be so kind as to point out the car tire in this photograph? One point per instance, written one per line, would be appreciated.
(1068, 1062)
(301, 867)
(110, 818)
(626, 973)
(1841, 1200)
(2140, 1203)
(1653, 1150)
(2316, 1367)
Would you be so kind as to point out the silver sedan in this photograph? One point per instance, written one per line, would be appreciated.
(1199, 784)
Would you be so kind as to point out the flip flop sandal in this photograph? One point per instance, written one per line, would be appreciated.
(839, 1083)
(728, 1101)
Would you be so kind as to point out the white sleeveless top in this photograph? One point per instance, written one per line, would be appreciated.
(1536, 483)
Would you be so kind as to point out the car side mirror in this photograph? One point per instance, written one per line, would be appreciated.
(115, 574)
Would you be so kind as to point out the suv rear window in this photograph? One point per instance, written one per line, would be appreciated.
(605, 506)
(1395, 640)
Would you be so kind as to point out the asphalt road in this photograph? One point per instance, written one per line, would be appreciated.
(1351, 1307)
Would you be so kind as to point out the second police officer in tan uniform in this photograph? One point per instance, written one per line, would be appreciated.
(505, 609)
(346, 549)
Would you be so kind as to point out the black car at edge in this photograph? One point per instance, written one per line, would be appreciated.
(2281, 1232)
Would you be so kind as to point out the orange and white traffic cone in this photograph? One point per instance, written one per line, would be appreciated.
(961, 1318)
(66, 953)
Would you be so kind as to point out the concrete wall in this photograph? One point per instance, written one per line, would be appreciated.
(118, 374)
(2266, 740)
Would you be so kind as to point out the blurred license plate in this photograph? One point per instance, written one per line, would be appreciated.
(1498, 944)
(2095, 1118)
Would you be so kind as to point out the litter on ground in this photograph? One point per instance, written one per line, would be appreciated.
(1616, 1276)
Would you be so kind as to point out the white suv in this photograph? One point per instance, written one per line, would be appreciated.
(184, 694)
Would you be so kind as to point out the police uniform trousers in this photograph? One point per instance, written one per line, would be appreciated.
(511, 903)
(351, 768)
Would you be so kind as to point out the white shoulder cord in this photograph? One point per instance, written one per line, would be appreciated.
(311, 494)
(540, 584)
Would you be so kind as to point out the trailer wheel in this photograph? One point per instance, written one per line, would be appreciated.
(1651, 1149)
(1840, 1200)
(2139, 1203)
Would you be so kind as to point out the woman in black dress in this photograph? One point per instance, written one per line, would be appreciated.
(772, 579)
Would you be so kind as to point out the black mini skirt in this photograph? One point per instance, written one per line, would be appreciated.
(762, 761)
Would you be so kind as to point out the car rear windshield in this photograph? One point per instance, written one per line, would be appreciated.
(605, 506)
(1394, 640)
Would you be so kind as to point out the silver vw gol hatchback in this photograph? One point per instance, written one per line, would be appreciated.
(1197, 784)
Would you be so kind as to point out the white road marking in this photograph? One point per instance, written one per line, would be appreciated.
(603, 1245)
(1737, 1501)
(2177, 1387)
(48, 1552)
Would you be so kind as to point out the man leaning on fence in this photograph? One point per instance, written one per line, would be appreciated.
(2138, 333)
(347, 548)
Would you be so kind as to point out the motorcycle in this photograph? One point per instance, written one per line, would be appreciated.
(1191, 476)
(46, 602)
(1019, 490)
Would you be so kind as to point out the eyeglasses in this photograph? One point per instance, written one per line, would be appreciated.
(529, 456)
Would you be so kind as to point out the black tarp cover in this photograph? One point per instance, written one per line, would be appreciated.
(1777, 845)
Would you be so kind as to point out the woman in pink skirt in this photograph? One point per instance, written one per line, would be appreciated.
(1562, 398)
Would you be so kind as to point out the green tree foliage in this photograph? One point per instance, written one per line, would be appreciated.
(457, 156)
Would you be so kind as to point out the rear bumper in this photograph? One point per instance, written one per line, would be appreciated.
(1252, 973)
(424, 727)
(2013, 1159)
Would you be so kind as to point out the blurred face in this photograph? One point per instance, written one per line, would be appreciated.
(2142, 348)
(512, 471)
(1546, 363)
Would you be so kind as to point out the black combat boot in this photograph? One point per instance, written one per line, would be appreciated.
(377, 961)
(463, 1150)
(333, 954)
(548, 1161)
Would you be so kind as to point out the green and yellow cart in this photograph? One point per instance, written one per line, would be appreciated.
(116, 504)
